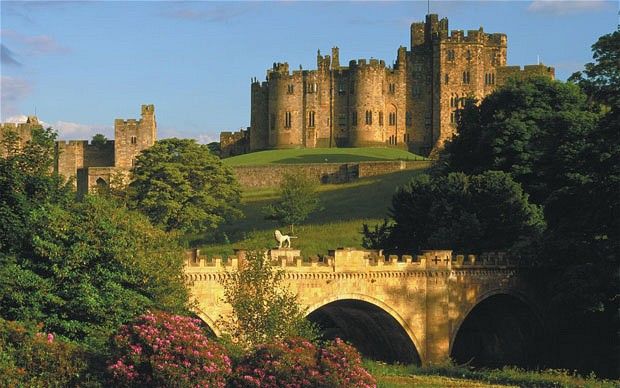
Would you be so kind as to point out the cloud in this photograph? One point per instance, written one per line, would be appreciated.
(214, 14)
(7, 57)
(564, 7)
(206, 138)
(68, 130)
(35, 44)
(12, 91)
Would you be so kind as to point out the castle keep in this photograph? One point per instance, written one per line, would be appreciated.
(411, 105)
(95, 165)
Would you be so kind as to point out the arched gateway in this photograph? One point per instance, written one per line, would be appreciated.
(392, 308)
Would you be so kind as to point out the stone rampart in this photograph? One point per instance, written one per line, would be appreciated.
(263, 176)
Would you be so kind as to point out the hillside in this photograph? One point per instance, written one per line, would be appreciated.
(320, 155)
(345, 208)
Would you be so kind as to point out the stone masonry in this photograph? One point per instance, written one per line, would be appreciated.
(429, 295)
(91, 165)
(412, 104)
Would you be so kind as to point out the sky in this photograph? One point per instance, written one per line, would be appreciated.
(80, 65)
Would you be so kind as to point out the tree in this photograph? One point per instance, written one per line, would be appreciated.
(80, 268)
(476, 213)
(533, 129)
(180, 185)
(99, 140)
(600, 80)
(263, 310)
(297, 200)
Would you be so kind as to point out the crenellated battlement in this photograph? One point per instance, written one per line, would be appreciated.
(476, 37)
(363, 63)
(349, 260)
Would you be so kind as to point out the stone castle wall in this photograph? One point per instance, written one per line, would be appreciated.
(411, 105)
(22, 131)
(271, 175)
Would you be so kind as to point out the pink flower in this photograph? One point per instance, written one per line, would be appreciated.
(50, 337)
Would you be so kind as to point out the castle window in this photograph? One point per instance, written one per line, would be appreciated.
(341, 88)
(463, 102)
(354, 118)
(287, 120)
(451, 55)
(311, 87)
(368, 117)
(290, 89)
(134, 140)
(392, 88)
(406, 138)
(452, 117)
(392, 118)
(408, 119)
(381, 118)
(492, 78)
(273, 121)
(352, 89)
(446, 79)
(466, 78)
(468, 55)
(416, 90)
(311, 119)
(342, 120)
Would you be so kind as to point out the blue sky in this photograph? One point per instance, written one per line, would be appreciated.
(83, 64)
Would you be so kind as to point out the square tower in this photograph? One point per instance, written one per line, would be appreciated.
(133, 136)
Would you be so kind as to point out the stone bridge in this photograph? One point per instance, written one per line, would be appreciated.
(423, 309)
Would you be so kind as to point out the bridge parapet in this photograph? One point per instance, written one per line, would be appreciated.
(353, 260)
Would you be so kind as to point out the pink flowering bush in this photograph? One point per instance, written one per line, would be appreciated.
(165, 350)
(297, 362)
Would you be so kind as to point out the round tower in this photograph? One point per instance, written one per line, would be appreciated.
(368, 104)
(285, 116)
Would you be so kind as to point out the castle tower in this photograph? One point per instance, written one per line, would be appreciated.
(132, 136)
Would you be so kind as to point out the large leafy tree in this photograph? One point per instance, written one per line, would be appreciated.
(180, 185)
(476, 213)
(534, 129)
(80, 268)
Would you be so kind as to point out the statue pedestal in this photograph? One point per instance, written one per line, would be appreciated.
(288, 253)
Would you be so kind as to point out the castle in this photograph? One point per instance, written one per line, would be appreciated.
(91, 165)
(411, 105)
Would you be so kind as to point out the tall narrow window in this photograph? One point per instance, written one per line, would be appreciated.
(134, 140)
(451, 55)
(416, 90)
(392, 118)
(446, 79)
(290, 89)
(408, 119)
(368, 117)
(352, 88)
(287, 120)
(452, 117)
(354, 118)
(392, 88)
(466, 77)
(342, 120)
(381, 118)
(468, 55)
(311, 119)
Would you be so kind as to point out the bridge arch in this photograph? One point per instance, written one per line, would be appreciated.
(372, 306)
(514, 307)
(207, 321)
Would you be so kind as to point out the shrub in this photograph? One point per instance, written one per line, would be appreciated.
(32, 358)
(299, 363)
(164, 350)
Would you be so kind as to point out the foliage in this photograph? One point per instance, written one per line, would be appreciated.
(299, 363)
(600, 80)
(99, 140)
(85, 269)
(263, 310)
(467, 213)
(533, 129)
(164, 350)
(36, 359)
(377, 238)
(298, 199)
(214, 147)
(180, 185)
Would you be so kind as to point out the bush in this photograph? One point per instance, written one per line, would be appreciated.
(32, 358)
(164, 350)
(297, 362)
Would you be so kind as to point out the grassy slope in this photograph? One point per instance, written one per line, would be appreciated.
(345, 208)
(320, 155)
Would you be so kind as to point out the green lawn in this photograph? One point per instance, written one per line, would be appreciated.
(320, 155)
(345, 208)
